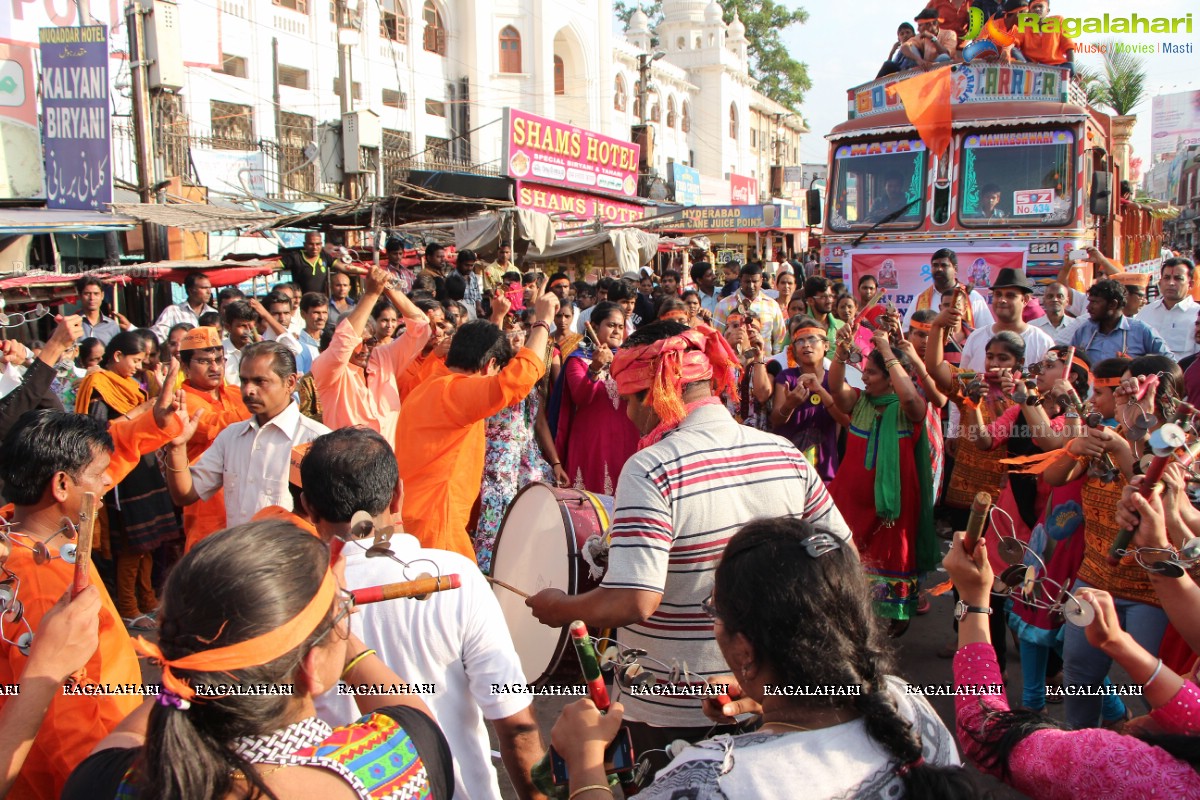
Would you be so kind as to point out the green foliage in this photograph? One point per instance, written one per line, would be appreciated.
(1120, 83)
(781, 77)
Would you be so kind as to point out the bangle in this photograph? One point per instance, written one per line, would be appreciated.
(1153, 675)
(891, 362)
(591, 787)
(541, 323)
(354, 661)
(173, 469)
(556, 464)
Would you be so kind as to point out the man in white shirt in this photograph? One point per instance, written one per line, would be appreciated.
(456, 640)
(705, 278)
(314, 308)
(1173, 314)
(1010, 293)
(251, 459)
(199, 294)
(1056, 324)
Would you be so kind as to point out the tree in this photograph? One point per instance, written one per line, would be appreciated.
(780, 77)
(1120, 83)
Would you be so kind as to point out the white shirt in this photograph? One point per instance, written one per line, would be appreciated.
(172, 315)
(457, 640)
(233, 363)
(1176, 325)
(974, 354)
(253, 463)
(1061, 334)
(233, 356)
(1078, 304)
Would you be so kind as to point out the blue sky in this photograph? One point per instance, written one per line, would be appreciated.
(844, 44)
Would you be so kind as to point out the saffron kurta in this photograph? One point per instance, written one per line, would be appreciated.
(73, 723)
(208, 516)
(440, 446)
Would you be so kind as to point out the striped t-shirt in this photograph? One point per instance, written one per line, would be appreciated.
(678, 503)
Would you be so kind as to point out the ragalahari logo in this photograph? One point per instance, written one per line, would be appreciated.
(974, 24)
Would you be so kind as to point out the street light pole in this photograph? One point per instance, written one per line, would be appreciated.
(643, 87)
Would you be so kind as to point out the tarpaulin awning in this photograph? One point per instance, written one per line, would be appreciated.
(61, 286)
(197, 216)
(25, 221)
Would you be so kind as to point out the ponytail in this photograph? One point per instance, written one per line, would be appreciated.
(235, 585)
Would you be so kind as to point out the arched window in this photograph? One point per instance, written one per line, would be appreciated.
(510, 50)
(637, 99)
(560, 76)
(671, 112)
(733, 121)
(681, 43)
(435, 30)
(655, 114)
(620, 96)
(685, 120)
(393, 22)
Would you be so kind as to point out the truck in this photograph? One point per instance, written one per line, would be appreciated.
(1029, 176)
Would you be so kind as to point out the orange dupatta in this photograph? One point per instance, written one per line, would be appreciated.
(121, 394)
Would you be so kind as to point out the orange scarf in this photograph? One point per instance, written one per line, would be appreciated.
(121, 394)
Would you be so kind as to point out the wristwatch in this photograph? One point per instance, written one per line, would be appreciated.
(961, 610)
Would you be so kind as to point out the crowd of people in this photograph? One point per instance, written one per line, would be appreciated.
(1021, 31)
(788, 459)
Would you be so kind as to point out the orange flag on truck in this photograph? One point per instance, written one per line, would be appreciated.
(926, 99)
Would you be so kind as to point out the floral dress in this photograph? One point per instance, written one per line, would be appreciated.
(511, 461)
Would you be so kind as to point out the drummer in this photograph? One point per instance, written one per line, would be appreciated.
(697, 478)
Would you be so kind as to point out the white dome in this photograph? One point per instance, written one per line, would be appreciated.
(638, 22)
(736, 29)
(683, 10)
(713, 13)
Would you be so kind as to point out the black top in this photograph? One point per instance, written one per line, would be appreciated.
(33, 393)
(303, 274)
(99, 775)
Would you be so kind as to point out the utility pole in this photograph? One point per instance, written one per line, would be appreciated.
(643, 87)
(142, 134)
(278, 109)
(346, 81)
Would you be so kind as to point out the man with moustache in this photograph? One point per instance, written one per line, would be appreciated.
(943, 268)
(202, 359)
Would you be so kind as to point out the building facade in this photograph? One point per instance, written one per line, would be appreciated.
(438, 74)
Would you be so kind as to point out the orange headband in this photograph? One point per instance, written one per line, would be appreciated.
(1076, 361)
(810, 332)
(250, 653)
(1106, 383)
(677, 314)
(917, 325)
(664, 367)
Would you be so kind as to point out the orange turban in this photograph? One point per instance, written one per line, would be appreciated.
(666, 366)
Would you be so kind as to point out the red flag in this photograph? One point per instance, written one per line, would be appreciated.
(926, 99)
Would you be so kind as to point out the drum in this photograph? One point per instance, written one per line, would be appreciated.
(540, 545)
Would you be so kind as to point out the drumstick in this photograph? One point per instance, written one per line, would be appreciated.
(83, 544)
(590, 665)
(417, 588)
(504, 585)
(977, 520)
(595, 336)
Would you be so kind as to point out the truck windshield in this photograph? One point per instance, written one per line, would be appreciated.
(874, 179)
(1017, 178)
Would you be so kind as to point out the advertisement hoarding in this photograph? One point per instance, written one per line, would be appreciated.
(549, 152)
